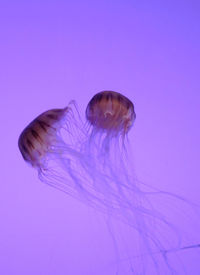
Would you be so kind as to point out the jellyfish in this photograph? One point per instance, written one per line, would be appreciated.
(48, 144)
(110, 116)
(91, 161)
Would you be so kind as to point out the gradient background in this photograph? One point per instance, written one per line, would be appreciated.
(55, 51)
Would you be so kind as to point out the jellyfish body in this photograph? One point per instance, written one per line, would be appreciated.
(40, 135)
(111, 111)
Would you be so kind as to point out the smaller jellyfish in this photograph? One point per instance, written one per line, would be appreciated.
(110, 116)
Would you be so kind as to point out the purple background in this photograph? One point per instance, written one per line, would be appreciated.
(55, 51)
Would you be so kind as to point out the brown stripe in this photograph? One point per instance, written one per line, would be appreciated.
(51, 116)
(99, 97)
(35, 134)
(43, 125)
(109, 96)
(30, 144)
(119, 98)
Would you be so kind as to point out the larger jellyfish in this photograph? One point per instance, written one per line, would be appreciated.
(91, 161)
(48, 144)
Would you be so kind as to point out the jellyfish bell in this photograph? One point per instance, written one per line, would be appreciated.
(38, 138)
(110, 112)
